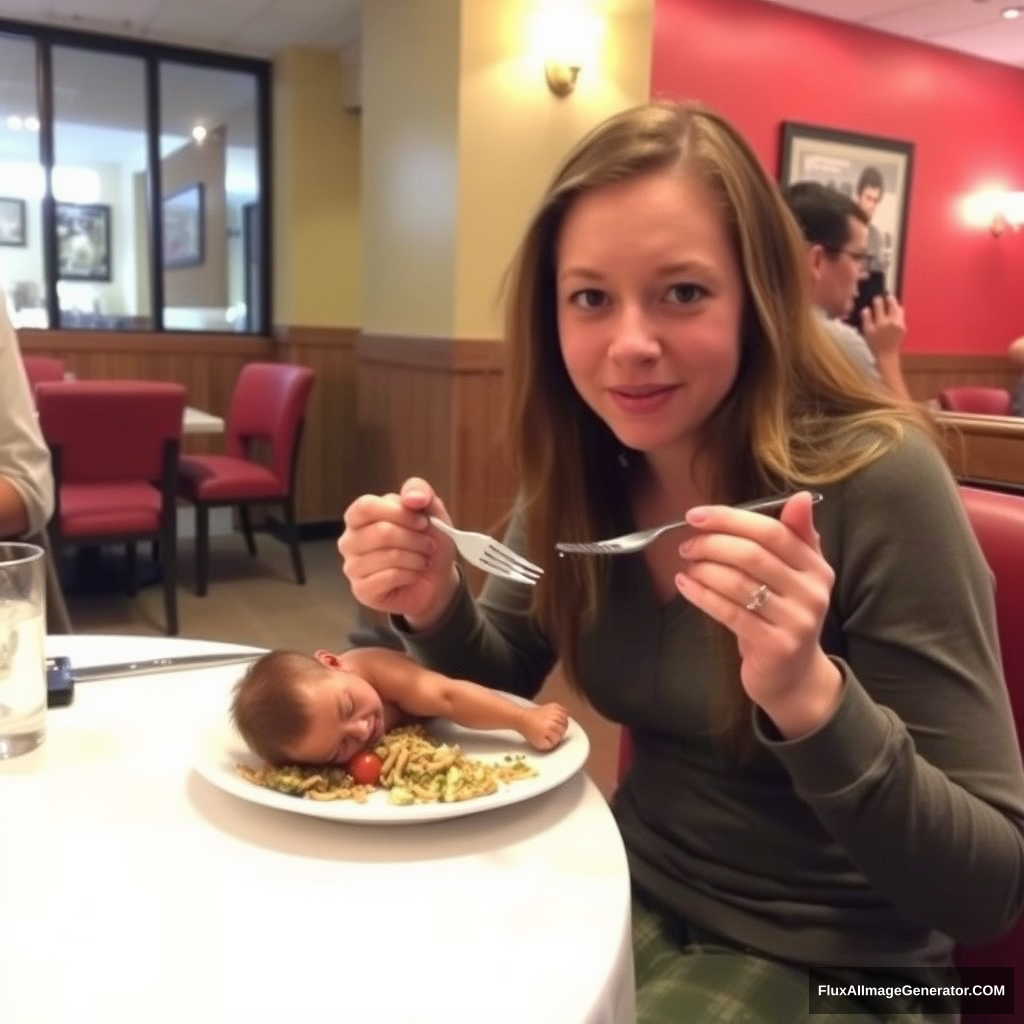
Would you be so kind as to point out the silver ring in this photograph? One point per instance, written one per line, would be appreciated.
(758, 599)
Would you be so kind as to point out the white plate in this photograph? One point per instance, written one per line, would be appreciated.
(222, 749)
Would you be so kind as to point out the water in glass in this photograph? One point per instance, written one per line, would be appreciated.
(22, 654)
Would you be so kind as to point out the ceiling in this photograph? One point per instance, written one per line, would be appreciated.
(261, 28)
(970, 26)
(258, 28)
(103, 94)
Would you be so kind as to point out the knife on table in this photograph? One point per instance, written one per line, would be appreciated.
(147, 666)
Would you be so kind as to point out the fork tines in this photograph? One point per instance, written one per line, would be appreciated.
(506, 562)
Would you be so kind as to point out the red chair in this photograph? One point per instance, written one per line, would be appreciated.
(985, 401)
(998, 522)
(115, 447)
(268, 405)
(40, 369)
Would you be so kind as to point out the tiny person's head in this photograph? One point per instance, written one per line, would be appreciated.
(293, 708)
(836, 231)
(870, 187)
(654, 290)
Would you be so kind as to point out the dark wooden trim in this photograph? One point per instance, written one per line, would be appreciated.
(448, 355)
(950, 362)
(316, 337)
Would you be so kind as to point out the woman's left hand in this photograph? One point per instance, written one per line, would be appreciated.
(766, 580)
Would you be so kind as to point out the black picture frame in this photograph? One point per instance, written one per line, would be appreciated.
(83, 242)
(840, 159)
(13, 222)
(184, 217)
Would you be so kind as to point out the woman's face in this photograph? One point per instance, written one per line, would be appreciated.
(649, 300)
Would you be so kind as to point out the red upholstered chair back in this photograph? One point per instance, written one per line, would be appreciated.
(998, 522)
(268, 404)
(110, 430)
(40, 369)
(987, 401)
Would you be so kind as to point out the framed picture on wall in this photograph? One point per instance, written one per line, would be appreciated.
(83, 242)
(183, 217)
(12, 221)
(875, 172)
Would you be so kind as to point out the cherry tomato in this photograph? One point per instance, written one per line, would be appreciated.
(365, 768)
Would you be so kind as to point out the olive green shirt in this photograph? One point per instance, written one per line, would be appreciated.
(879, 840)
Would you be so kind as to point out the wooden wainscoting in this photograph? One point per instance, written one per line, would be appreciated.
(985, 449)
(927, 375)
(431, 407)
(206, 364)
(328, 477)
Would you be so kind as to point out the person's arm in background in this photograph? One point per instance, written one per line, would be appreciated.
(26, 483)
(884, 327)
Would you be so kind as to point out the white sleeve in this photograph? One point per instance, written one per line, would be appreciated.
(856, 348)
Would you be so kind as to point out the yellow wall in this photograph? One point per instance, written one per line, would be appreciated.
(410, 197)
(460, 136)
(513, 132)
(317, 216)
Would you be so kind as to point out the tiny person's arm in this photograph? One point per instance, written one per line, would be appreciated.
(419, 691)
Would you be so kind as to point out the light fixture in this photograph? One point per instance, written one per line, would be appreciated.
(199, 133)
(1009, 13)
(566, 38)
(1007, 213)
(561, 78)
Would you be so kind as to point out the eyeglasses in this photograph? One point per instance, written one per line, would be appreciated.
(862, 259)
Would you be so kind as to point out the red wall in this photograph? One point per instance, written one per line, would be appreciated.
(760, 64)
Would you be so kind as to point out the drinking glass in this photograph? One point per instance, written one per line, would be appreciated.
(22, 655)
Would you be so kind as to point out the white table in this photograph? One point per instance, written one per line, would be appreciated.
(198, 422)
(134, 892)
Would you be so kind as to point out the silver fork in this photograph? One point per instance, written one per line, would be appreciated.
(490, 555)
(630, 542)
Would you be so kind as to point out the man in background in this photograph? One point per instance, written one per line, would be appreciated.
(836, 231)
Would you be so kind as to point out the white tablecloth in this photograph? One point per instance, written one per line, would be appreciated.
(134, 892)
(196, 421)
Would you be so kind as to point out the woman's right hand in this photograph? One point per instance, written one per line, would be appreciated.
(393, 559)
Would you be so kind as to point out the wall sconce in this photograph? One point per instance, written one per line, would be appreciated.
(566, 38)
(1008, 213)
(561, 77)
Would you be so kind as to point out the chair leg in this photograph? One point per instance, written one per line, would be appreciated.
(245, 517)
(202, 548)
(130, 575)
(169, 567)
(292, 530)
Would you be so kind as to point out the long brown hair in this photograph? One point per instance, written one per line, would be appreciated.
(799, 413)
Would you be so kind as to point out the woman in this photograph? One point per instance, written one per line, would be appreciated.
(826, 787)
